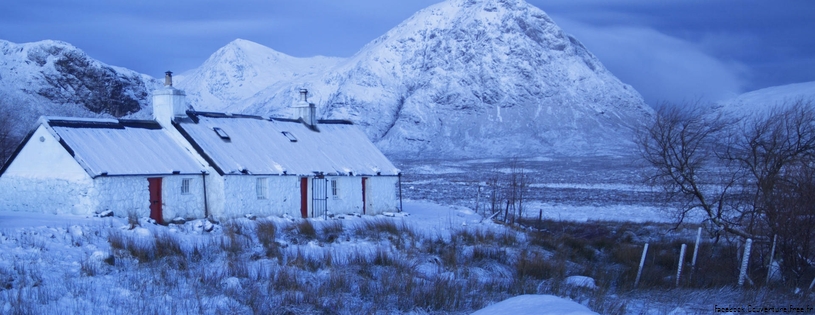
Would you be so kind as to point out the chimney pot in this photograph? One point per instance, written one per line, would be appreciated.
(168, 78)
(304, 95)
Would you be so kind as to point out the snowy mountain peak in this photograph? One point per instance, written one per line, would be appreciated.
(240, 70)
(484, 78)
(460, 78)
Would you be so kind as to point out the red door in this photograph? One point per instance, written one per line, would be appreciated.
(154, 184)
(304, 197)
(364, 203)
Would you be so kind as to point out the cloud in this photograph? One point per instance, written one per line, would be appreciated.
(661, 67)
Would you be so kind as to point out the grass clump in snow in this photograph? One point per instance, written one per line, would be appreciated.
(379, 265)
(306, 229)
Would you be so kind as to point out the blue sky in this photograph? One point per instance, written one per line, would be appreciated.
(669, 50)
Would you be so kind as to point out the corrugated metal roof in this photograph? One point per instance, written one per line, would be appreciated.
(259, 146)
(123, 147)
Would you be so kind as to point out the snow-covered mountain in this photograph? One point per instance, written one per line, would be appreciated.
(763, 100)
(460, 78)
(56, 78)
(240, 70)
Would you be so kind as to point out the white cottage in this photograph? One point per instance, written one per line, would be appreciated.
(199, 164)
(82, 166)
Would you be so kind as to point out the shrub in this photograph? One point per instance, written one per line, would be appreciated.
(266, 232)
(306, 228)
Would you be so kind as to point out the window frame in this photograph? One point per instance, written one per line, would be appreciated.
(185, 186)
(262, 188)
(335, 188)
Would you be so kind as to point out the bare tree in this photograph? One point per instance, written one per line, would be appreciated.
(684, 147)
(753, 178)
(778, 153)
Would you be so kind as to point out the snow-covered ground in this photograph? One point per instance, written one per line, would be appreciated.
(67, 263)
(535, 305)
(72, 264)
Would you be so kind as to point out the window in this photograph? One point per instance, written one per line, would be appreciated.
(289, 135)
(221, 133)
(261, 188)
(185, 186)
(335, 189)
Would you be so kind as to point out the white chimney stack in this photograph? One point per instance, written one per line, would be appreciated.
(169, 102)
(304, 110)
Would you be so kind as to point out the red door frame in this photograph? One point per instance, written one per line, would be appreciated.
(364, 203)
(154, 185)
(304, 197)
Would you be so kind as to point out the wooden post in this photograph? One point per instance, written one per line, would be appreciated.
(744, 260)
(681, 262)
(477, 197)
(696, 248)
(540, 216)
(695, 252)
(770, 265)
(642, 262)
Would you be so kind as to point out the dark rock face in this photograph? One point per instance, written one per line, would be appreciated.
(101, 89)
(54, 78)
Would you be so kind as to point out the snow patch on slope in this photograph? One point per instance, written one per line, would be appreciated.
(763, 100)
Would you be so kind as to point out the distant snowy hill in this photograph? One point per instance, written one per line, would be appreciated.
(56, 78)
(241, 69)
(461, 78)
(762, 100)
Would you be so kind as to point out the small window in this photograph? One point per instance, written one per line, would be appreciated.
(221, 133)
(335, 189)
(261, 188)
(185, 186)
(290, 136)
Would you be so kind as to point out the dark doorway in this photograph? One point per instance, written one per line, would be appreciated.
(304, 197)
(154, 185)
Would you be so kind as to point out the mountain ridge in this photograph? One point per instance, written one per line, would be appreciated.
(461, 78)
(477, 71)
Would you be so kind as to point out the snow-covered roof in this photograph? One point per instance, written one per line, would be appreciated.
(242, 144)
(122, 147)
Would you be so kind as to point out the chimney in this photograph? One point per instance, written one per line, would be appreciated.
(168, 102)
(305, 110)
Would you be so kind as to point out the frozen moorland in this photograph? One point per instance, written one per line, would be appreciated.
(437, 256)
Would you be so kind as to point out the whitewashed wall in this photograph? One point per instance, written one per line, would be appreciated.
(283, 196)
(349, 197)
(122, 195)
(382, 194)
(62, 187)
(215, 195)
(47, 195)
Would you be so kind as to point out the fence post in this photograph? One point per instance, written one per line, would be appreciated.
(770, 265)
(681, 262)
(696, 248)
(477, 196)
(642, 262)
(745, 259)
